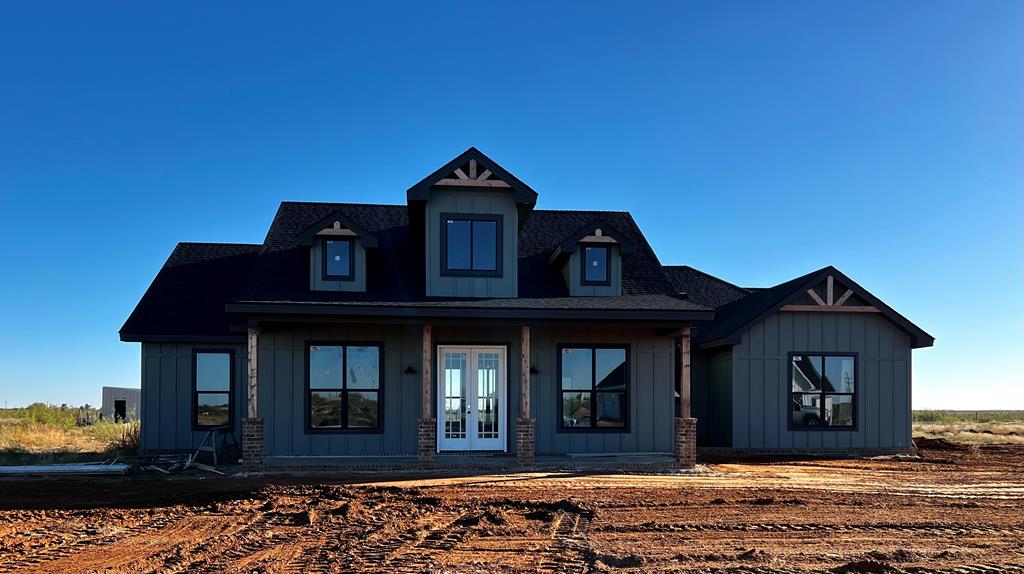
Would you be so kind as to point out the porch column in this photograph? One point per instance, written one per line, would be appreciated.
(686, 426)
(252, 425)
(427, 444)
(525, 423)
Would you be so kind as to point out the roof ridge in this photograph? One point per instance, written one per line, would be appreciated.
(345, 203)
(234, 243)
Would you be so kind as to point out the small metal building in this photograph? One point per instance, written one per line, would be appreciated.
(121, 403)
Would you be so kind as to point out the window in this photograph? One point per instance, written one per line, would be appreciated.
(212, 376)
(594, 387)
(343, 388)
(338, 259)
(596, 265)
(471, 244)
(823, 391)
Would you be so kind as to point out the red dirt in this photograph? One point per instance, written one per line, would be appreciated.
(955, 510)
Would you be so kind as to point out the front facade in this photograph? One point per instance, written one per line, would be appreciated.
(468, 324)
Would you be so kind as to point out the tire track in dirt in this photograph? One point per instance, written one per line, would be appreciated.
(42, 558)
(414, 550)
(927, 528)
(570, 549)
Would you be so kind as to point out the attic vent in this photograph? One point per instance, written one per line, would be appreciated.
(337, 225)
(598, 232)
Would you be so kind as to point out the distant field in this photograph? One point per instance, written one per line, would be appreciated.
(48, 433)
(971, 427)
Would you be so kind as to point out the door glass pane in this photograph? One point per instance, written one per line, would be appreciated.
(595, 264)
(457, 233)
(576, 409)
(839, 375)
(363, 367)
(485, 245)
(325, 367)
(806, 409)
(455, 391)
(339, 258)
(362, 409)
(324, 409)
(806, 373)
(487, 373)
(611, 369)
(577, 369)
(213, 372)
(839, 410)
(611, 410)
(212, 409)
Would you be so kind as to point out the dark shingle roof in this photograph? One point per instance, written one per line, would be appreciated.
(187, 296)
(733, 319)
(702, 288)
(395, 272)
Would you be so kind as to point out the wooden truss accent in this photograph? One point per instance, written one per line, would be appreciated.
(831, 306)
(473, 179)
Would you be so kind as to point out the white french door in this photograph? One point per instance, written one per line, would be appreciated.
(471, 412)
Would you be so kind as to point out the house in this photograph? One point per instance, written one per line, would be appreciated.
(121, 404)
(467, 324)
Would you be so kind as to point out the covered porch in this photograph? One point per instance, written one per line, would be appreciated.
(517, 414)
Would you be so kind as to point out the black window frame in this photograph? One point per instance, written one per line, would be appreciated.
(607, 264)
(351, 259)
(560, 392)
(379, 429)
(823, 393)
(499, 221)
(196, 392)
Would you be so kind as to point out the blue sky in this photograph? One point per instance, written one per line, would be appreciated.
(754, 140)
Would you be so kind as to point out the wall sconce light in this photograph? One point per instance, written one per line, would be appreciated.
(409, 370)
(533, 370)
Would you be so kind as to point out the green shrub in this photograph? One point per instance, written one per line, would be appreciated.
(947, 417)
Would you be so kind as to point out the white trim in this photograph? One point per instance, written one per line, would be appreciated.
(471, 351)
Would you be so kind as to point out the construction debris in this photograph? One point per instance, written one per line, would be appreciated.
(84, 468)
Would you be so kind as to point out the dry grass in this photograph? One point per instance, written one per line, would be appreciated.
(973, 432)
(25, 442)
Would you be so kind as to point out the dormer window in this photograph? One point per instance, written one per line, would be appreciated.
(471, 244)
(596, 264)
(338, 259)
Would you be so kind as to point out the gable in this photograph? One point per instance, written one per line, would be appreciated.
(827, 290)
(472, 170)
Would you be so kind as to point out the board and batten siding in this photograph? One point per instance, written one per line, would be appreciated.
(282, 365)
(574, 277)
(166, 409)
(760, 392)
(316, 268)
(712, 397)
(651, 396)
(472, 202)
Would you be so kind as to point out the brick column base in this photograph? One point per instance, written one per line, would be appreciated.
(686, 442)
(427, 442)
(525, 441)
(252, 442)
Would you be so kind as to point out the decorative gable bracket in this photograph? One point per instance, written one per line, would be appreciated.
(830, 304)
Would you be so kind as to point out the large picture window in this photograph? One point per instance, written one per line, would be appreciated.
(471, 244)
(338, 263)
(343, 387)
(212, 376)
(823, 391)
(594, 387)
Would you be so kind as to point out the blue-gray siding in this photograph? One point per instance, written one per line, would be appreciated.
(760, 390)
(574, 278)
(167, 394)
(496, 202)
(712, 397)
(316, 264)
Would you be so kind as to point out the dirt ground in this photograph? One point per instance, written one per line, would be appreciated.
(952, 511)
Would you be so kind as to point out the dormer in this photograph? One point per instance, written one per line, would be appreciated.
(468, 214)
(591, 260)
(337, 253)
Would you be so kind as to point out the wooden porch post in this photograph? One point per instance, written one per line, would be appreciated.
(525, 424)
(252, 425)
(686, 425)
(427, 446)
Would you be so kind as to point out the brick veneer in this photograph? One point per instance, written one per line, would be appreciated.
(686, 442)
(427, 441)
(252, 442)
(525, 441)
